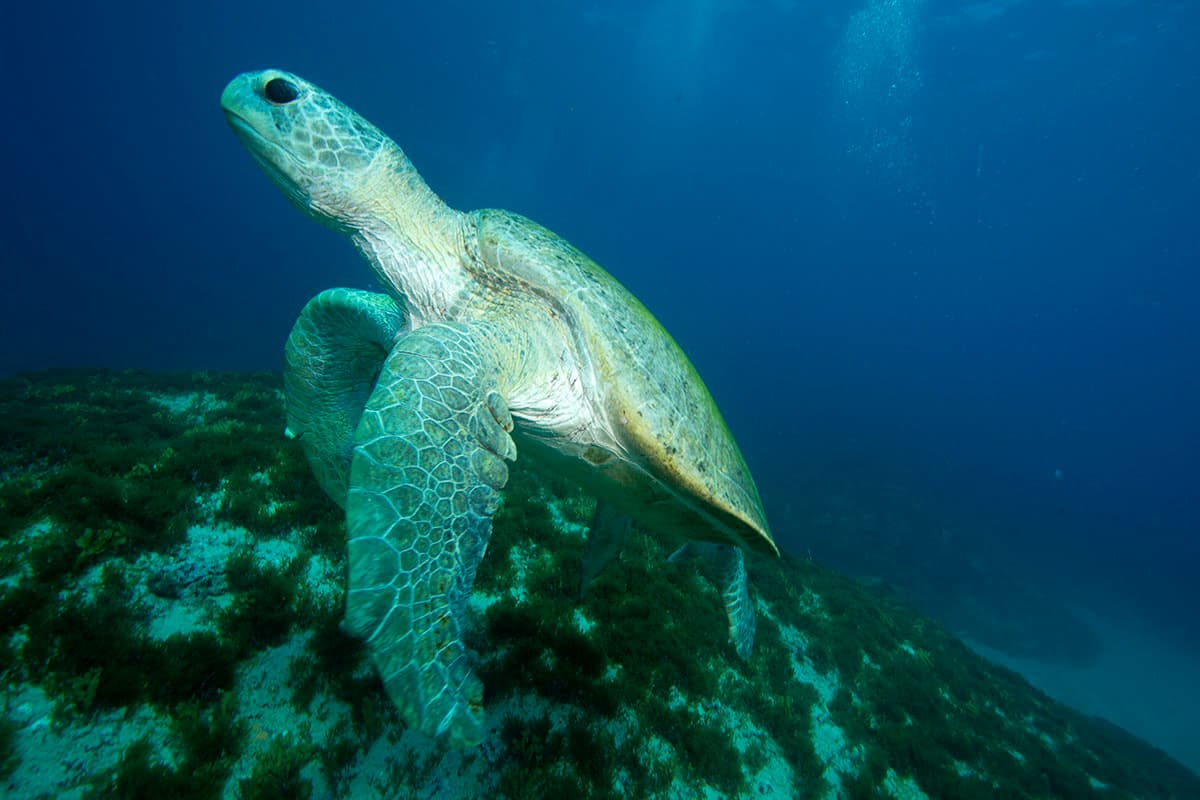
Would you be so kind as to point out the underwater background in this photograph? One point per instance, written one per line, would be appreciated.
(935, 260)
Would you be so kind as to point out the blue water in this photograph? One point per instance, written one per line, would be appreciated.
(945, 246)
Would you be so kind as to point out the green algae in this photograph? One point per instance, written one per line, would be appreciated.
(207, 740)
(645, 658)
(142, 774)
(277, 773)
(263, 610)
(92, 649)
(8, 750)
(94, 652)
(100, 472)
(195, 666)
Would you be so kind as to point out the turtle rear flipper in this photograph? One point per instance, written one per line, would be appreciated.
(729, 566)
(428, 464)
(606, 535)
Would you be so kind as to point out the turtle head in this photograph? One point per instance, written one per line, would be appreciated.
(320, 153)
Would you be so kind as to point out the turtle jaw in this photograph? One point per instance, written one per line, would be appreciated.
(249, 116)
(269, 156)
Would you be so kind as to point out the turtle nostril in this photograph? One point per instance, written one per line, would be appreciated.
(280, 91)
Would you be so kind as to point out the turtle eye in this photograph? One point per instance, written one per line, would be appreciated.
(280, 91)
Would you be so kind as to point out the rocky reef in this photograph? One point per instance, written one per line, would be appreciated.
(171, 584)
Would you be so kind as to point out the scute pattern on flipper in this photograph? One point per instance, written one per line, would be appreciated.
(425, 475)
(331, 361)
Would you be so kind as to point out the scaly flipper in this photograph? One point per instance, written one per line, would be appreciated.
(734, 585)
(428, 462)
(606, 534)
(332, 360)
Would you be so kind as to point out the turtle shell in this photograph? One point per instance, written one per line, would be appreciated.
(681, 467)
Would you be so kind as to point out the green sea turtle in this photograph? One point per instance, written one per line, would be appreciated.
(494, 336)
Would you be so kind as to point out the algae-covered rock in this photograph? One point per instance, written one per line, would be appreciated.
(171, 587)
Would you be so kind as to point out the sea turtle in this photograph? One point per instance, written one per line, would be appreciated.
(494, 336)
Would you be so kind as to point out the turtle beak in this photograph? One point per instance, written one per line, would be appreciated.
(244, 111)
(238, 96)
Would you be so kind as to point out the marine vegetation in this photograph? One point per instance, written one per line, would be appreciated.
(198, 654)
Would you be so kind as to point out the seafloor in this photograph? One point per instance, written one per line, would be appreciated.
(171, 584)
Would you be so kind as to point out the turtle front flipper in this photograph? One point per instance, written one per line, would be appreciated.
(428, 464)
(332, 360)
(733, 583)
